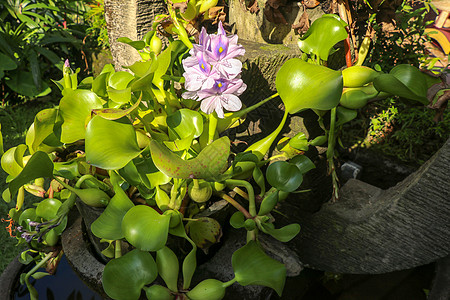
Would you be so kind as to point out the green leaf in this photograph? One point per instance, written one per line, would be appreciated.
(299, 142)
(302, 85)
(344, 115)
(323, 34)
(136, 224)
(110, 144)
(75, 108)
(204, 232)
(284, 176)
(120, 80)
(268, 203)
(124, 277)
(7, 63)
(39, 165)
(138, 45)
(184, 123)
(27, 216)
(168, 267)
(39, 275)
(303, 163)
(284, 234)
(44, 122)
(404, 81)
(189, 266)
(48, 208)
(209, 164)
(115, 113)
(12, 160)
(22, 83)
(252, 266)
(109, 224)
(237, 220)
(119, 96)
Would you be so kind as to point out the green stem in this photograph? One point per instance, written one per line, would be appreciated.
(118, 249)
(228, 283)
(261, 147)
(330, 155)
(244, 111)
(212, 127)
(196, 184)
(236, 205)
(250, 192)
(33, 292)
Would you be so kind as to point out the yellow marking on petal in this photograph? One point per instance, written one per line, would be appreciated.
(220, 50)
(219, 84)
(203, 66)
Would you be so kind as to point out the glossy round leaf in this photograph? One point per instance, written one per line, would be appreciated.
(48, 208)
(145, 229)
(75, 108)
(302, 85)
(110, 144)
(12, 160)
(405, 81)
(323, 34)
(237, 220)
(44, 122)
(252, 266)
(284, 176)
(185, 122)
(303, 163)
(120, 80)
(124, 277)
(109, 224)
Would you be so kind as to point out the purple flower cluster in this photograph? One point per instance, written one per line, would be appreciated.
(212, 72)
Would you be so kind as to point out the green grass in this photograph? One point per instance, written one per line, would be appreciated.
(14, 124)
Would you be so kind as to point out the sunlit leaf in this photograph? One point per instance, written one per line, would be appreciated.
(48, 208)
(323, 34)
(184, 123)
(110, 144)
(210, 163)
(405, 81)
(302, 85)
(12, 160)
(39, 165)
(75, 108)
(136, 224)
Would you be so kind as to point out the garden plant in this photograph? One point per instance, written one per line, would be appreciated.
(150, 146)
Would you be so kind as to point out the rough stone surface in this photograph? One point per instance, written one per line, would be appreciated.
(257, 28)
(219, 266)
(370, 230)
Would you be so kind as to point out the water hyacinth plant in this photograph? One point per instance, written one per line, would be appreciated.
(150, 147)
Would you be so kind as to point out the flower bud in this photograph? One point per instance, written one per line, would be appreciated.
(209, 289)
(200, 192)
